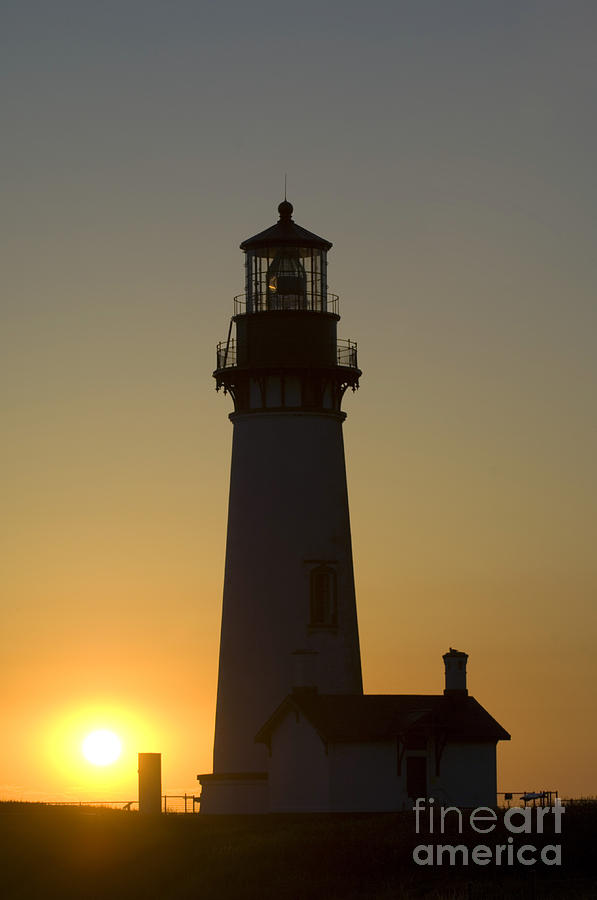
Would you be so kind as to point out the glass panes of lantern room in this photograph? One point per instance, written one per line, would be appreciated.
(286, 278)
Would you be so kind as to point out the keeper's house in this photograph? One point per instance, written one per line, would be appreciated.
(366, 752)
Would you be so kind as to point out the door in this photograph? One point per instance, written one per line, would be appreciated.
(416, 776)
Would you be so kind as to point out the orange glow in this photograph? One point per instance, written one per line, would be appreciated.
(92, 752)
(452, 173)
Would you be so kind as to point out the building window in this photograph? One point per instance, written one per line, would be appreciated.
(323, 611)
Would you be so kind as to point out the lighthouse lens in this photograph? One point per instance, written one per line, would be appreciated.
(287, 281)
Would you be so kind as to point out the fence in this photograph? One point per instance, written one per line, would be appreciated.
(171, 803)
(180, 803)
(189, 803)
(527, 798)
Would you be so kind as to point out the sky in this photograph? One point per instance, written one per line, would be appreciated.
(446, 148)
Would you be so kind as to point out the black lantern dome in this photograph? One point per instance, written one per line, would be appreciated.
(286, 267)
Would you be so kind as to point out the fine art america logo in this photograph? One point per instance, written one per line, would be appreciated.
(517, 821)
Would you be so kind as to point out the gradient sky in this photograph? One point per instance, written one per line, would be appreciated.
(447, 148)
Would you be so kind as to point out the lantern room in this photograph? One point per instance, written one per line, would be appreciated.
(286, 268)
(282, 350)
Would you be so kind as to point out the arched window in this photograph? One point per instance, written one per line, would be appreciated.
(323, 608)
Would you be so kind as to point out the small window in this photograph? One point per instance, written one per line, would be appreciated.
(323, 597)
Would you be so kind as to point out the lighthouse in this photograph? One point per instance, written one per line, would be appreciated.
(289, 593)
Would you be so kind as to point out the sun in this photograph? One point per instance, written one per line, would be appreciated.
(101, 747)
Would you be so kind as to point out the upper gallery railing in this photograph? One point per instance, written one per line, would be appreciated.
(262, 302)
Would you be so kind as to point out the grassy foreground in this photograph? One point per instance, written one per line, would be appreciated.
(51, 852)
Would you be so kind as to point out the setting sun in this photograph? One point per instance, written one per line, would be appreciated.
(92, 744)
(101, 747)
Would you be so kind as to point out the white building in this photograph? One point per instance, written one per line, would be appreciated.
(348, 753)
(289, 582)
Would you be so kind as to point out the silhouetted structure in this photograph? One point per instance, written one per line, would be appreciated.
(375, 752)
(150, 782)
(289, 579)
(289, 597)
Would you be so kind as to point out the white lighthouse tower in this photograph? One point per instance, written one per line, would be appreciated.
(289, 582)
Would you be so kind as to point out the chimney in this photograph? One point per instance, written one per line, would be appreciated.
(455, 663)
(304, 670)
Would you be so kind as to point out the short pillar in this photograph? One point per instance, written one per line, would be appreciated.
(150, 782)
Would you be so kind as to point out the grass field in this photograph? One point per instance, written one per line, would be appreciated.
(101, 853)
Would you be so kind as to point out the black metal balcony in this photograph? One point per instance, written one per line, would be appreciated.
(346, 354)
(226, 354)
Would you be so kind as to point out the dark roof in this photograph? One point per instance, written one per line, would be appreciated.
(285, 233)
(380, 717)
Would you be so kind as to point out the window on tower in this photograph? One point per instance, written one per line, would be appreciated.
(323, 607)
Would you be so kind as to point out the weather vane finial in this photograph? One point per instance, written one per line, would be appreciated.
(285, 185)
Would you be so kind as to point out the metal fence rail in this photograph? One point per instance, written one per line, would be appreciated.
(171, 803)
(180, 803)
(527, 798)
(263, 301)
(346, 354)
(226, 354)
(96, 804)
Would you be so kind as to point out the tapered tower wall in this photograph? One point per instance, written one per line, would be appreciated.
(288, 513)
